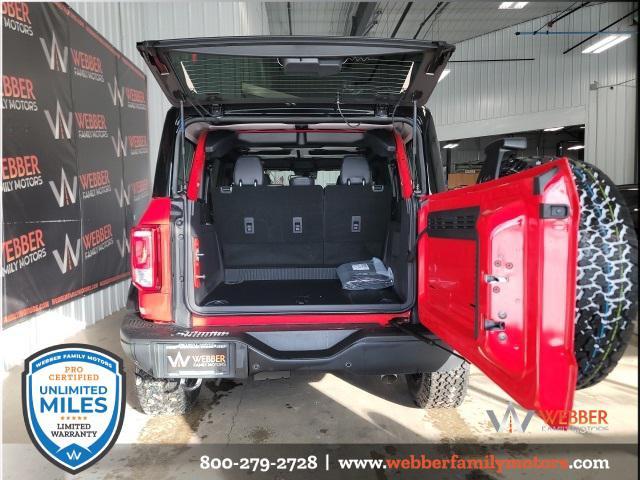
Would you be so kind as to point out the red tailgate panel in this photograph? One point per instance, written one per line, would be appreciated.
(489, 256)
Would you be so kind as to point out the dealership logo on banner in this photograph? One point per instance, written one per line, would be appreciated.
(73, 399)
(56, 58)
(140, 189)
(15, 17)
(136, 99)
(117, 94)
(23, 250)
(60, 214)
(86, 65)
(123, 245)
(20, 172)
(97, 240)
(91, 125)
(95, 183)
(61, 128)
(119, 145)
(18, 94)
(138, 144)
(65, 194)
(136, 191)
(122, 195)
(70, 258)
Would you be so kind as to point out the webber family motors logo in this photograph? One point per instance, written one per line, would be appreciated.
(135, 99)
(73, 399)
(129, 145)
(89, 125)
(24, 250)
(564, 420)
(92, 243)
(85, 65)
(22, 172)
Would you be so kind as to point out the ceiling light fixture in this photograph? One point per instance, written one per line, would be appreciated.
(451, 145)
(606, 43)
(576, 147)
(512, 5)
(553, 129)
(444, 74)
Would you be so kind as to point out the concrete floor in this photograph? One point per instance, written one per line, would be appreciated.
(326, 408)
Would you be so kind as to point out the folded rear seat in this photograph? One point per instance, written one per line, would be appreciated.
(268, 226)
(356, 214)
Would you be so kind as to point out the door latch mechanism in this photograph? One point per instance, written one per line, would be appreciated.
(492, 325)
(495, 279)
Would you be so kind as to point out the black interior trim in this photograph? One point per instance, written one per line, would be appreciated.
(541, 181)
(458, 223)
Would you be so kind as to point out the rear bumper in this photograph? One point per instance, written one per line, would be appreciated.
(360, 350)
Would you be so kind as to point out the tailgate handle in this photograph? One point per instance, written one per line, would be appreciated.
(554, 211)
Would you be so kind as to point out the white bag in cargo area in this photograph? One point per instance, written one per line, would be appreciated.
(365, 275)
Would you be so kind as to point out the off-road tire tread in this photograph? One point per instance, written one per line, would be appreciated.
(159, 396)
(446, 389)
(606, 294)
(607, 275)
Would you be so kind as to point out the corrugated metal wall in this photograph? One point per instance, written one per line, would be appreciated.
(489, 98)
(124, 24)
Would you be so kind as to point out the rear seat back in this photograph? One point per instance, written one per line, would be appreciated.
(356, 214)
(261, 225)
(301, 225)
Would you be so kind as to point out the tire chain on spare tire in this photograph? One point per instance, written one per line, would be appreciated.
(607, 274)
(446, 389)
(160, 396)
(606, 293)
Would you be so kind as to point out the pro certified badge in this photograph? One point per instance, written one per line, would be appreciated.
(73, 403)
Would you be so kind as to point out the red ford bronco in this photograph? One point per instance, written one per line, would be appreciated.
(287, 161)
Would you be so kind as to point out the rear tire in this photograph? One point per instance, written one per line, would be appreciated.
(446, 389)
(161, 396)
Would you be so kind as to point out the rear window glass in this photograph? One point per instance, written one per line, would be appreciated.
(323, 177)
(327, 177)
(279, 177)
(232, 78)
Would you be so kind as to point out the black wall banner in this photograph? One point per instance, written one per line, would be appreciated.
(75, 169)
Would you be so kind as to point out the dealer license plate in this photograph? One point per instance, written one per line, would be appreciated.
(197, 359)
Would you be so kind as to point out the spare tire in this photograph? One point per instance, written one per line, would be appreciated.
(607, 275)
(606, 294)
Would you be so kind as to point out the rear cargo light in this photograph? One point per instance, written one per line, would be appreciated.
(145, 249)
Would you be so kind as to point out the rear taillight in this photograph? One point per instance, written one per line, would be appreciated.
(145, 256)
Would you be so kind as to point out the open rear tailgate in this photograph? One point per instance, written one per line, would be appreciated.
(294, 70)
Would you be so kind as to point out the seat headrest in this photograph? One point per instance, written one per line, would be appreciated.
(248, 171)
(355, 170)
(300, 180)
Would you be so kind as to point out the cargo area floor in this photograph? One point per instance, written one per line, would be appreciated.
(295, 292)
